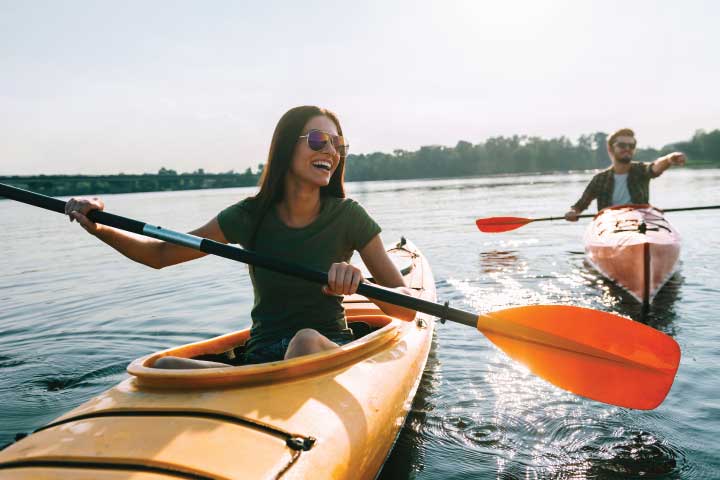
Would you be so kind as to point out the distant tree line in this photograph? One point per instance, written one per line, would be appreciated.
(164, 180)
(516, 154)
(497, 155)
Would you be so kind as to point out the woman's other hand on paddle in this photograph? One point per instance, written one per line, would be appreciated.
(571, 215)
(78, 208)
(343, 279)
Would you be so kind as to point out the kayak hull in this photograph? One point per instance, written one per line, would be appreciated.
(634, 246)
(328, 415)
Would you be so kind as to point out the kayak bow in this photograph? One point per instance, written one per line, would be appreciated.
(635, 246)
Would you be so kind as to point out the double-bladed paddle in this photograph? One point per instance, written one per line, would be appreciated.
(506, 224)
(594, 354)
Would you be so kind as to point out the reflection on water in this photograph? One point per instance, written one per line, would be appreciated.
(407, 457)
(498, 261)
(660, 314)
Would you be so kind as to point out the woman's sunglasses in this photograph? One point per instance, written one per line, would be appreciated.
(317, 140)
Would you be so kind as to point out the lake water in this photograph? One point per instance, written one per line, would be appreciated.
(73, 314)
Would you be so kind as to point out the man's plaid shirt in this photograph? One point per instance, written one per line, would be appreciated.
(601, 187)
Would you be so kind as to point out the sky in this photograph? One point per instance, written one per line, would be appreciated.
(104, 87)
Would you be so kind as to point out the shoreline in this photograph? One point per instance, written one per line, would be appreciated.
(68, 185)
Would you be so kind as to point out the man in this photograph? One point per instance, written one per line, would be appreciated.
(625, 181)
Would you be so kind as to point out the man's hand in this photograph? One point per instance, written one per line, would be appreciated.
(676, 158)
(663, 163)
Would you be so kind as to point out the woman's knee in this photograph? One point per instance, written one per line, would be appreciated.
(307, 336)
(307, 341)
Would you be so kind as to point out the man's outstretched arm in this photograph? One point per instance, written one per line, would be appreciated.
(663, 163)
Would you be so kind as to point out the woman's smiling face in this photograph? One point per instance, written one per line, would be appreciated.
(314, 167)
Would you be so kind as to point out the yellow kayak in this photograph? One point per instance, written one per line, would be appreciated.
(331, 415)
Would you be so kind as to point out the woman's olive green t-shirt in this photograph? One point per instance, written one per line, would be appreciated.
(284, 304)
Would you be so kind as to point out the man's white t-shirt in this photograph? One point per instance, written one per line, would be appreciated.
(621, 194)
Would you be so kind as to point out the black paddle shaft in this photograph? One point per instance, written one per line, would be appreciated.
(664, 210)
(241, 255)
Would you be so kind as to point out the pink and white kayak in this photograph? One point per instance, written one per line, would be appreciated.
(635, 246)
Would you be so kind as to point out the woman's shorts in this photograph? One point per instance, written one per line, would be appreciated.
(275, 352)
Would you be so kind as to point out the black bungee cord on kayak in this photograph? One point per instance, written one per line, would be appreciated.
(642, 227)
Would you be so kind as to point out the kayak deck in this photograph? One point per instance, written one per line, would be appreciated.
(329, 415)
(634, 246)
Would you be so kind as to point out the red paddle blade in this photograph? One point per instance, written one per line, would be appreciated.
(594, 354)
(500, 224)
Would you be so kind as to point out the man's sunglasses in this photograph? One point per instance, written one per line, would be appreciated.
(317, 140)
(623, 145)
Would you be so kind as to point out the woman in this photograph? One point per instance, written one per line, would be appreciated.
(301, 215)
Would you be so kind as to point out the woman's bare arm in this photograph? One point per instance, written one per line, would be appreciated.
(148, 251)
(386, 274)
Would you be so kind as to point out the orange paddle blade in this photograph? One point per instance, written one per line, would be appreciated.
(598, 355)
(500, 224)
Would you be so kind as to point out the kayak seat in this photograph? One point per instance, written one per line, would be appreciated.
(234, 357)
(360, 329)
(362, 325)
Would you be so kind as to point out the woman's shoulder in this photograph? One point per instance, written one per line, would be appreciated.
(349, 210)
(237, 220)
(344, 202)
(246, 206)
(359, 226)
(343, 205)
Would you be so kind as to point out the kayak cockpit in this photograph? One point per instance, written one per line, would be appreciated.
(375, 332)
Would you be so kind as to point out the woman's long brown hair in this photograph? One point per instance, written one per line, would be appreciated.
(284, 140)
